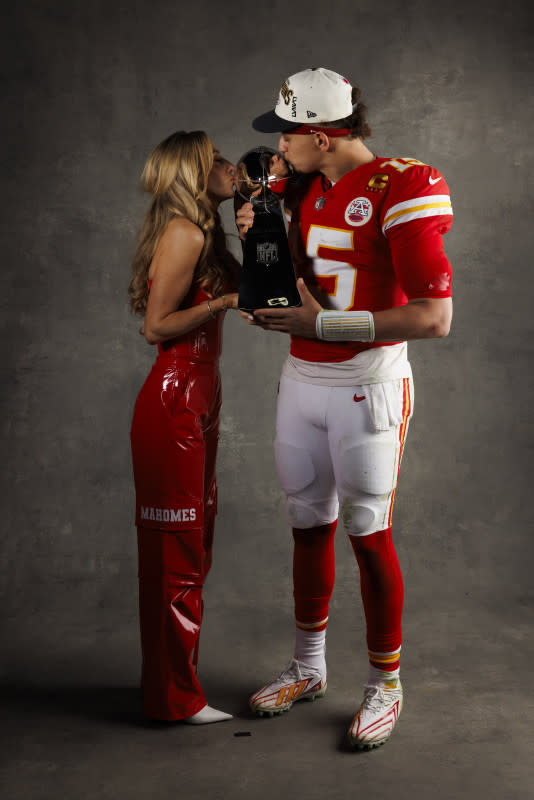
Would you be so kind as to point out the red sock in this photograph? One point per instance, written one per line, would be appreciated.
(382, 596)
(313, 574)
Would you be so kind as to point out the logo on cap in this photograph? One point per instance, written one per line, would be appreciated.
(286, 93)
(359, 211)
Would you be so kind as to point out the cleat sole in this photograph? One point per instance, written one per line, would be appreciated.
(366, 746)
(276, 712)
(263, 712)
(314, 696)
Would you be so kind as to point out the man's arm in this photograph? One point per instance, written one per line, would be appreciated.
(420, 318)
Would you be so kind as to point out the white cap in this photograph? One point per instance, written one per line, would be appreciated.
(312, 96)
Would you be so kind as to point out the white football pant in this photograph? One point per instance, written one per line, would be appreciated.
(338, 448)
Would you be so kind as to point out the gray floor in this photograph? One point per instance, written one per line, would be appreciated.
(72, 727)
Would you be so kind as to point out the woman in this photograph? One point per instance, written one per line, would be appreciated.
(183, 283)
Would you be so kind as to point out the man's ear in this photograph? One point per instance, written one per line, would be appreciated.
(323, 142)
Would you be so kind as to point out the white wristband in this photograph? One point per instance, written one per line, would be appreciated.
(340, 326)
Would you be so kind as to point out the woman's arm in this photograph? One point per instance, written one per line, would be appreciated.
(171, 272)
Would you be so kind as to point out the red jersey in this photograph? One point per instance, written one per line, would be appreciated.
(370, 241)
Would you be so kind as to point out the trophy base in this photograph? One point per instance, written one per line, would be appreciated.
(267, 277)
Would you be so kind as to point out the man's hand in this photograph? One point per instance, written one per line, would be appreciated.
(296, 321)
(244, 219)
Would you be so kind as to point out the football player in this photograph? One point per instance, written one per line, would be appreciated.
(366, 238)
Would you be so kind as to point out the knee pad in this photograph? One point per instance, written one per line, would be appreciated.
(365, 514)
(359, 516)
(301, 515)
(302, 512)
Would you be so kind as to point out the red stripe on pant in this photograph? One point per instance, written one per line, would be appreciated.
(382, 592)
(172, 568)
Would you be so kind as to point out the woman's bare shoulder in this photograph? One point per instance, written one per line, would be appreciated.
(178, 249)
(181, 229)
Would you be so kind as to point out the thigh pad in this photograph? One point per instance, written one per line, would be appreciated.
(370, 467)
(311, 501)
(295, 467)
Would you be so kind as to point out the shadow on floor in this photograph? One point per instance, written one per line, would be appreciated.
(116, 704)
(119, 704)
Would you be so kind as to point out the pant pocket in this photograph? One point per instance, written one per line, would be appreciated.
(385, 404)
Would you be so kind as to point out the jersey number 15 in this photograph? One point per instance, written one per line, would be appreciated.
(336, 278)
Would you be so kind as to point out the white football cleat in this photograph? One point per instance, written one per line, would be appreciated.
(299, 681)
(377, 715)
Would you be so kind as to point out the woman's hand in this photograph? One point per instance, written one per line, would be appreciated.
(231, 300)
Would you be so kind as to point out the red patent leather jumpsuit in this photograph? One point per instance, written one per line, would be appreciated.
(174, 437)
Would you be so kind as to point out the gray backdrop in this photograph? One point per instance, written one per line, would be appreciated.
(91, 88)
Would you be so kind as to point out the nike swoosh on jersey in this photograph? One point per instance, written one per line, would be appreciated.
(432, 181)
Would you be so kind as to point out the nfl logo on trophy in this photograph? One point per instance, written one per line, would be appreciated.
(267, 253)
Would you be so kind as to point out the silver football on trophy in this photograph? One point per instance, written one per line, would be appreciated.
(258, 172)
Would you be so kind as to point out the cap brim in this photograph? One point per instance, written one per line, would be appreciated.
(270, 122)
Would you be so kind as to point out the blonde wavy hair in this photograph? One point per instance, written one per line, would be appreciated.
(176, 175)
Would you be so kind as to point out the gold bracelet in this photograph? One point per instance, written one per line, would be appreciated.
(212, 313)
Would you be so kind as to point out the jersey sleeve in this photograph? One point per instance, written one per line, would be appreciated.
(416, 214)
